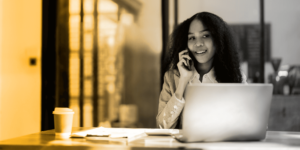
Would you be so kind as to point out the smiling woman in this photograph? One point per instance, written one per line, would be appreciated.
(202, 50)
(201, 46)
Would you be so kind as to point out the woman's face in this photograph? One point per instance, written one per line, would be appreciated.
(200, 42)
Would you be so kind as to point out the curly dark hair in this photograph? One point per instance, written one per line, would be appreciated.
(225, 62)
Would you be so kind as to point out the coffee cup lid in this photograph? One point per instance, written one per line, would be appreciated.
(63, 110)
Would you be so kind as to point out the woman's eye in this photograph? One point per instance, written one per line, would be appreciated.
(191, 38)
(206, 36)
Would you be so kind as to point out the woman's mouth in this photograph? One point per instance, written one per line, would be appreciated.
(201, 52)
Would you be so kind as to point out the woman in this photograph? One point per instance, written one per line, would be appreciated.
(202, 50)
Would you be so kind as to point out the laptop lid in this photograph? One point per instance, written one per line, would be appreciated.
(220, 112)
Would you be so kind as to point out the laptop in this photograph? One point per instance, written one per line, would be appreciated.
(225, 112)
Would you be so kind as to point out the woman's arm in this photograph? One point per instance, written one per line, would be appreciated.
(170, 103)
(171, 100)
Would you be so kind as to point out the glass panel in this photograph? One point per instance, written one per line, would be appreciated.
(111, 28)
(107, 23)
(74, 43)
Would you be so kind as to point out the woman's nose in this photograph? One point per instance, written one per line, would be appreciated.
(199, 43)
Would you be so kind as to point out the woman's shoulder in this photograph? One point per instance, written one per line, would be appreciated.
(171, 78)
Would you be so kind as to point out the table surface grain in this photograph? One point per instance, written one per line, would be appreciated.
(47, 140)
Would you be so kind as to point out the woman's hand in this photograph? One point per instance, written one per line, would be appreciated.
(185, 73)
(183, 65)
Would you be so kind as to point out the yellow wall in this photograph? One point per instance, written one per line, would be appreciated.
(20, 86)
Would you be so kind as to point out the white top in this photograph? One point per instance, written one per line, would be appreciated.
(207, 78)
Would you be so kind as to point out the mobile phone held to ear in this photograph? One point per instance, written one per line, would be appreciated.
(188, 61)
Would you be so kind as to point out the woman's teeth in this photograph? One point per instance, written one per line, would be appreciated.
(201, 52)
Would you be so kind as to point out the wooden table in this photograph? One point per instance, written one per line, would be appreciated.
(46, 140)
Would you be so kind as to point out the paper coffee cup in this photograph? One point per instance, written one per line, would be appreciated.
(63, 119)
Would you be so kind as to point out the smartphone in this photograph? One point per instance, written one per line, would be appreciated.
(189, 62)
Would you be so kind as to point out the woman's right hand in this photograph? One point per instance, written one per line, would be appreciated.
(185, 74)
